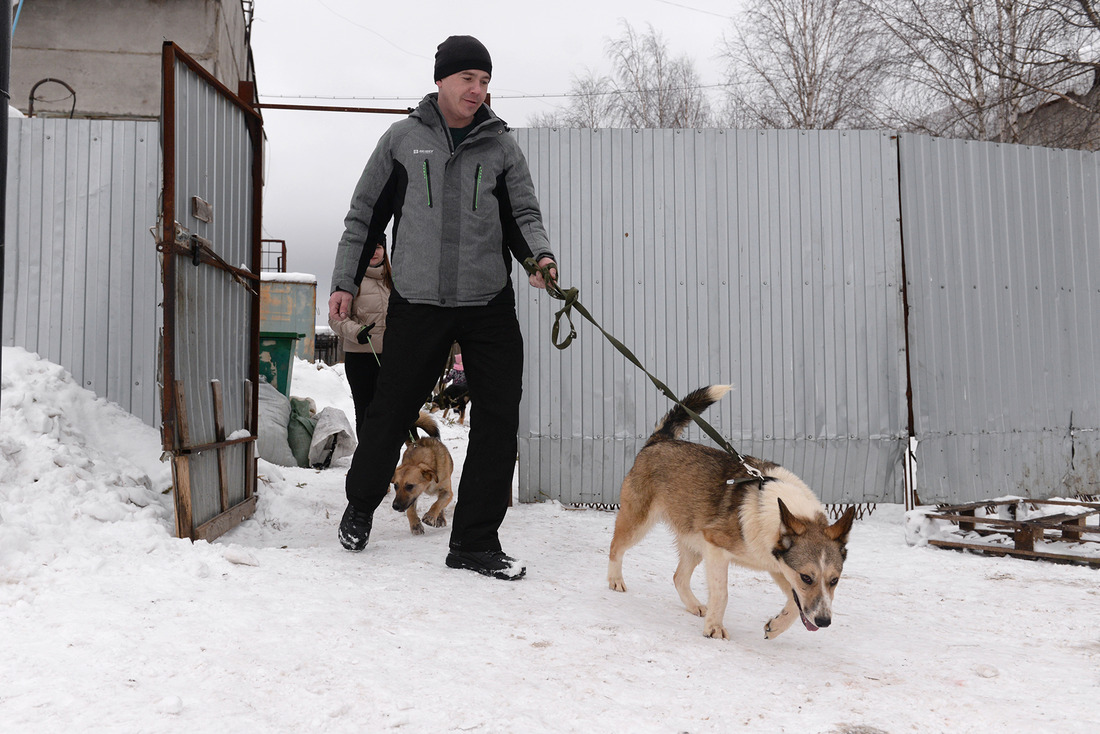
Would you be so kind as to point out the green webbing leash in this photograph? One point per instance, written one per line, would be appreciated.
(569, 296)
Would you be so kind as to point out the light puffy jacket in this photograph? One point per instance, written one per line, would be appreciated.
(460, 213)
(368, 307)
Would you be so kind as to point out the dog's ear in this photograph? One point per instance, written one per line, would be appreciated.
(427, 472)
(789, 524)
(838, 531)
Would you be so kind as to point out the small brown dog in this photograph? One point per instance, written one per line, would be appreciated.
(425, 468)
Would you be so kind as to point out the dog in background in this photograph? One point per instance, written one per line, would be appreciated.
(425, 468)
(775, 524)
(454, 397)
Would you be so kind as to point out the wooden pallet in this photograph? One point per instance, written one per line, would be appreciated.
(1067, 526)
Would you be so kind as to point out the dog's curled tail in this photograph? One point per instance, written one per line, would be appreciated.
(427, 424)
(674, 422)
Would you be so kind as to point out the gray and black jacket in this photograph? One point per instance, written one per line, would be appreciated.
(460, 213)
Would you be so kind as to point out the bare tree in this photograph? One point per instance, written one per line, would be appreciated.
(594, 104)
(804, 64)
(652, 88)
(971, 68)
(647, 88)
(1070, 116)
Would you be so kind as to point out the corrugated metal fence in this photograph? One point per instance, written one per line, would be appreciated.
(768, 260)
(1002, 249)
(81, 284)
(772, 260)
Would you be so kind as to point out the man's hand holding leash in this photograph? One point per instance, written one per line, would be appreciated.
(535, 277)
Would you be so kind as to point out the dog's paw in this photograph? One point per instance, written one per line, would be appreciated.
(616, 585)
(699, 610)
(436, 521)
(776, 626)
(715, 631)
(417, 529)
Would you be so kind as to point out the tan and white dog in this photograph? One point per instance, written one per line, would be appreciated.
(776, 525)
(425, 468)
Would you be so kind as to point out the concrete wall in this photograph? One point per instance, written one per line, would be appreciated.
(109, 52)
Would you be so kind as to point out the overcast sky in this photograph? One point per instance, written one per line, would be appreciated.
(328, 52)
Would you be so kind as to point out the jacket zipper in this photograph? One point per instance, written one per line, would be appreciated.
(428, 182)
(477, 185)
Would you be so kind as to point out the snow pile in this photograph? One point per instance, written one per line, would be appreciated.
(64, 484)
(272, 277)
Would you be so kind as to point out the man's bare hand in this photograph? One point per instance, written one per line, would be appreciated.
(536, 279)
(339, 305)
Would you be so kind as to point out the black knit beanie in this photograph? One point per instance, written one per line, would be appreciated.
(459, 53)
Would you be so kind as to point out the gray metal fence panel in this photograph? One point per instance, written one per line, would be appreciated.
(1003, 259)
(213, 311)
(765, 259)
(81, 285)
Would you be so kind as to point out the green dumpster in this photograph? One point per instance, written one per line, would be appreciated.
(277, 358)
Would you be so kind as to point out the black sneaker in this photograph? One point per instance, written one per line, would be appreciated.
(488, 563)
(355, 528)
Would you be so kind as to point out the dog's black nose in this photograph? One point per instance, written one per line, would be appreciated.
(823, 621)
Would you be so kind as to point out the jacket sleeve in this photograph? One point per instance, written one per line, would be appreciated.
(346, 329)
(365, 214)
(527, 238)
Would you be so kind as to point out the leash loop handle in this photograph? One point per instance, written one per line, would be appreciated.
(555, 291)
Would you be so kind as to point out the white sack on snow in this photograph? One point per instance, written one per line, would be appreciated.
(331, 422)
(274, 414)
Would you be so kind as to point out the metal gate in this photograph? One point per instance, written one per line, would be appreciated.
(210, 226)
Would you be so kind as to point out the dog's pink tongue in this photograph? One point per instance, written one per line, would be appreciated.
(809, 625)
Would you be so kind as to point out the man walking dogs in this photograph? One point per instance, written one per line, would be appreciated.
(460, 195)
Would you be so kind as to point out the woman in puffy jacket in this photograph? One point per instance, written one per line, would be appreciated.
(361, 333)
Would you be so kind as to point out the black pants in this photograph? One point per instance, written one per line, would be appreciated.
(418, 340)
(361, 369)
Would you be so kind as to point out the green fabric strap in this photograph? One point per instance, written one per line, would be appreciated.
(571, 302)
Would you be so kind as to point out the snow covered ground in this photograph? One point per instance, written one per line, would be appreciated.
(109, 624)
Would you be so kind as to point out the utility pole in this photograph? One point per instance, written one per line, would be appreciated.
(5, 93)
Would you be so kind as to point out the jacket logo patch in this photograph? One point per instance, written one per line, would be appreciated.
(426, 152)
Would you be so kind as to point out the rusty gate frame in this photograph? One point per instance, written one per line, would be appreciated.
(173, 244)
